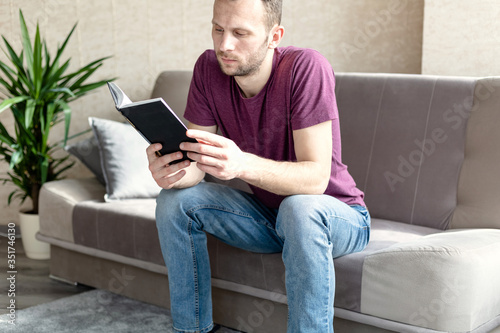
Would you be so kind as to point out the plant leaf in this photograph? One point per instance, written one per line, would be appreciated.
(5, 136)
(61, 143)
(62, 170)
(17, 157)
(17, 61)
(82, 90)
(44, 169)
(9, 200)
(54, 77)
(11, 101)
(59, 172)
(51, 107)
(68, 77)
(64, 90)
(5, 84)
(8, 72)
(14, 179)
(26, 44)
(67, 119)
(29, 112)
(37, 63)
(47, 60)
(60, 50)
(89, 72)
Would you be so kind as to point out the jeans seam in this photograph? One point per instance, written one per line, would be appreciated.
(209, 327)
(325, 319)
(329, 292)
(349, 221)
(205, 329)
(195, 267)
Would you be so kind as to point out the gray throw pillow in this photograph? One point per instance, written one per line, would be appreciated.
(124, 161)
(87, 151)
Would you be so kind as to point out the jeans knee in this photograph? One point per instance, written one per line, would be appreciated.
(295, 204)
(172, 205)
(163, 198)
(295, 215)
(165, 208)
(169, 206)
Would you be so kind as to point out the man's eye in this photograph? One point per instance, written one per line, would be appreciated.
(239, 34)
(219, 30)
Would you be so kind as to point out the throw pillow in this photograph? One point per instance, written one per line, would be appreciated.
(87, 151)
(124, 161)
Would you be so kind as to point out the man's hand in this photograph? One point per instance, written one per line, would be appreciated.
(177, 175)
(215, 154)
(165, 174)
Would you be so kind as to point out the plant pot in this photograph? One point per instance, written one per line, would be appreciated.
(34, 249)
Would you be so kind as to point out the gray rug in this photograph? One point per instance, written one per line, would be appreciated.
(90, 312)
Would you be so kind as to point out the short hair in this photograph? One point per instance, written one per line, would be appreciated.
(273, 12)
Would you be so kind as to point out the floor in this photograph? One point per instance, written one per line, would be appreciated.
(32, 284)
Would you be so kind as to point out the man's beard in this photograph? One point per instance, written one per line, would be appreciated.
(252, 66)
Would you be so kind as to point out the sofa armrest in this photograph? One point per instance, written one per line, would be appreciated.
(446, 281)
(57, 200)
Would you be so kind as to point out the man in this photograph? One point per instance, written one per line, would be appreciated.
(277, 113)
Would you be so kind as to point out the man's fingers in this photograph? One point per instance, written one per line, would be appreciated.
(203, 149)
(155, 158)
(208, 144)
(206, 159)
(169, 181)
(152, 149)
(207, 137)
(165, 170)
(166, 175)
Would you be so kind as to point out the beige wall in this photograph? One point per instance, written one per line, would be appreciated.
(146, 37)
(359, 35)
(462, 37)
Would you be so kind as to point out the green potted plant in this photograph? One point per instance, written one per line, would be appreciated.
(38, 91)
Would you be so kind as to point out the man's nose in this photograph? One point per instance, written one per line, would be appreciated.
(227, 42)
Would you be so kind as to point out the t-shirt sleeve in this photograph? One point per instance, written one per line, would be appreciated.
(198, 109)
(312, 91)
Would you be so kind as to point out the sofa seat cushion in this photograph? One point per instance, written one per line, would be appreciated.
(267, 272)
(349, 269)
(446, 281)
(57, 201)
(125, 227)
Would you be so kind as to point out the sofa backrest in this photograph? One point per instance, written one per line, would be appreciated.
(422, 147)
(173, 86)
(479, 185)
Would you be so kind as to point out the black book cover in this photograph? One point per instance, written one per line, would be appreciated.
(154, 120)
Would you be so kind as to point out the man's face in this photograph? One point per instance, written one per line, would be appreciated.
(240, 36)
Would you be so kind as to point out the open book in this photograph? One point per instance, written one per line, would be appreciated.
(154, 120)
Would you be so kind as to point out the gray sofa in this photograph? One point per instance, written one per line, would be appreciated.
(424, 149)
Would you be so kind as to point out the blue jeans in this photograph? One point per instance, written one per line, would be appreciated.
(309, 230)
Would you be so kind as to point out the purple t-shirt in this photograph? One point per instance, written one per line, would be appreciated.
(299, 93)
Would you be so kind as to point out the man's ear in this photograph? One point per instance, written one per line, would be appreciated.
(276, 35)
